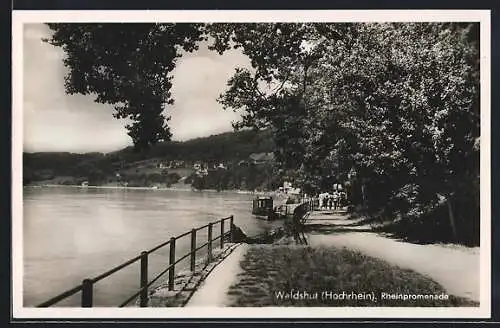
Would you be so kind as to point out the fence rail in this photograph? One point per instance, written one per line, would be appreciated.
(87, 285)
(300, 215)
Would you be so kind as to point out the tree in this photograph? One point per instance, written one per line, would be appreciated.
(128, 66)
(272, 94)
(411, 94)
(398, 102)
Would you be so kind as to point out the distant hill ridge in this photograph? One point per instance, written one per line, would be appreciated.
(229, 147)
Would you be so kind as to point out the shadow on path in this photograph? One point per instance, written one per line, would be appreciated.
(327, 221)
(329, 229)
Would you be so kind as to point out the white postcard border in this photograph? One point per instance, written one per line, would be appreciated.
(22, 17)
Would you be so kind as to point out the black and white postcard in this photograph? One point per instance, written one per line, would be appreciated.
(251, 164)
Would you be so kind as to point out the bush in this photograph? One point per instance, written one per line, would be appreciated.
(434, 227)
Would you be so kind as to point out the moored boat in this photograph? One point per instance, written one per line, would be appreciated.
(263, 208)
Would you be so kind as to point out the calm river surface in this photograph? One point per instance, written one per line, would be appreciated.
(76, 233)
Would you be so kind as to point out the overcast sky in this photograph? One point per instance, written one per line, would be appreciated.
(55, 121)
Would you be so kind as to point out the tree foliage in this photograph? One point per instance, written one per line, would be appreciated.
(250, 177)
(128, 66)
(270, 94)
(396, 103)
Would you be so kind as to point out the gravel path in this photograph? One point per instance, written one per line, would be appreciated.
(213, 290)
(454, 268)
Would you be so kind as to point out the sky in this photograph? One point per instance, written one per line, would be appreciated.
(55, 121)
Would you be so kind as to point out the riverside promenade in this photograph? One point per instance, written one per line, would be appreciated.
(214, 289)
(455, 268)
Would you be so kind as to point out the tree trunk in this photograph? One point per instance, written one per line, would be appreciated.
(452, 218)
(363, 195)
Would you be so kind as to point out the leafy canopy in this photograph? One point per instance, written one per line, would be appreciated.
(128, 66)
(396, 103)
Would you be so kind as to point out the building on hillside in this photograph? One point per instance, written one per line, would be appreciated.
(261, 158)
(288, 188)
(178, 164)
(243, 163)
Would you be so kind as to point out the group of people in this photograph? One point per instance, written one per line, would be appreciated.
(334, 200)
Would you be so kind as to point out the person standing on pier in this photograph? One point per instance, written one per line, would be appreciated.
(323, 201)
(335, 198)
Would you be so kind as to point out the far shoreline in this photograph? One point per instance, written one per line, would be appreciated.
(249, 192)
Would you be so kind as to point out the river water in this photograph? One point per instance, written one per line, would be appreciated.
(74, 233)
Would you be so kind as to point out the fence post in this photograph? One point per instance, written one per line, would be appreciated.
(231, 230)
(171, 271)
(144, 280)
(87, 293)
(193, 250)
(209, 248)
(222, 233)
